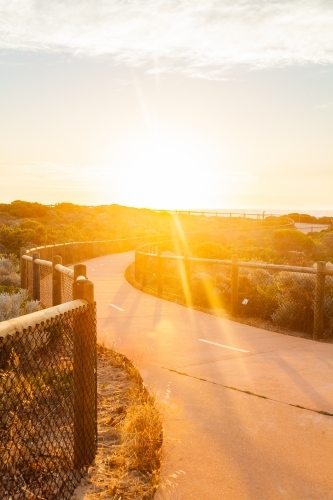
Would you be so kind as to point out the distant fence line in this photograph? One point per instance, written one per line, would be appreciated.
(217, 213)
(290, 297)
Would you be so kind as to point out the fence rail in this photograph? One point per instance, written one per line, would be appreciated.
(48, 395)
(288, 297)
(48, 402)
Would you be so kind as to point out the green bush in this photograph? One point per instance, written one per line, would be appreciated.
(16, 304)
(257, 294)
(296, 294)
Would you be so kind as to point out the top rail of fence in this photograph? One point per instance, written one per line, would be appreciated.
(249, 264)
(64, 270)
(16, 326)
(42, 262)
(30, 251)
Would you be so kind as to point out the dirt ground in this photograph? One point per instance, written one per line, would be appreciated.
(114, 475)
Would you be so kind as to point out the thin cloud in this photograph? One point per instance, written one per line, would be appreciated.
(198, 38)
(323, 106)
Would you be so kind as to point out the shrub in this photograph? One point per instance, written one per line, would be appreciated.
(285, 240)
(9, 273)
(259, 289)
(16, 304)
(210, 291)
(296, 298)
(209, 250)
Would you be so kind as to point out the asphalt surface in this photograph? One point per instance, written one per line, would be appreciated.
(243, 406)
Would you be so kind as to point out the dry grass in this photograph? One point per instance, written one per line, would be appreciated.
(127, 465)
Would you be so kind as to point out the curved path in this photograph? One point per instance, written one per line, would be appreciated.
(223, 441)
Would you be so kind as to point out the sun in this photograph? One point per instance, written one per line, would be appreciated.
(164, 171)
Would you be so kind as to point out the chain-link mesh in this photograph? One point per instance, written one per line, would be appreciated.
(48, 406)
(283, 298)
(71, 253)
(67, 288)
(328, 307)
(46, 286)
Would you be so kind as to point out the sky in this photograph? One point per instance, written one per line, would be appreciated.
(167, 103)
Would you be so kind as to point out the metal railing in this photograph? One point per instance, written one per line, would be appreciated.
(287, 297)
(48, 395)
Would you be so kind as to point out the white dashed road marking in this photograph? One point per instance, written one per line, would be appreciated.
(221, 345)
(116, 307)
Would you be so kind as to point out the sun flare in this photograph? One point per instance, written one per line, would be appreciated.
(164, 171)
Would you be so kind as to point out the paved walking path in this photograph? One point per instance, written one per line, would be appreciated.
(233, 425)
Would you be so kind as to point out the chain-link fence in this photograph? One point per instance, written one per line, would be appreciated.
(286, 297)
(67, 288)
(39, 279)
(47, 404)
(72, 253)
(46, 286)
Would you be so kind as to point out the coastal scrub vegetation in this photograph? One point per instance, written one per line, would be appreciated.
(269, 239)
(14, 301)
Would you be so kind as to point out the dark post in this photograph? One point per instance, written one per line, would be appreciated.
(187, 265)
(159, 272)
(85, 373)
(79, 270)
(144, 267)
(35, 277)
(23, 268)
(318, 321)
(234, 286)
(56, 282)
(136, 265)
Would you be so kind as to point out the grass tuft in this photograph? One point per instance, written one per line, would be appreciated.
(130, 433)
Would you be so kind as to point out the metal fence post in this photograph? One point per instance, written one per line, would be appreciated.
(56, 281)
(234, 285)
(85, 373)
(23, 268)
(35, 277)
(318, 320)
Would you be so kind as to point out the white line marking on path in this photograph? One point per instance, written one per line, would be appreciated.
(221, 345)
(116, 307)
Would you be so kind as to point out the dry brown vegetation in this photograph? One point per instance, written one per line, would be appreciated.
(127, 465)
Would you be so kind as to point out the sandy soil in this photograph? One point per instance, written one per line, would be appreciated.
(108, 477)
